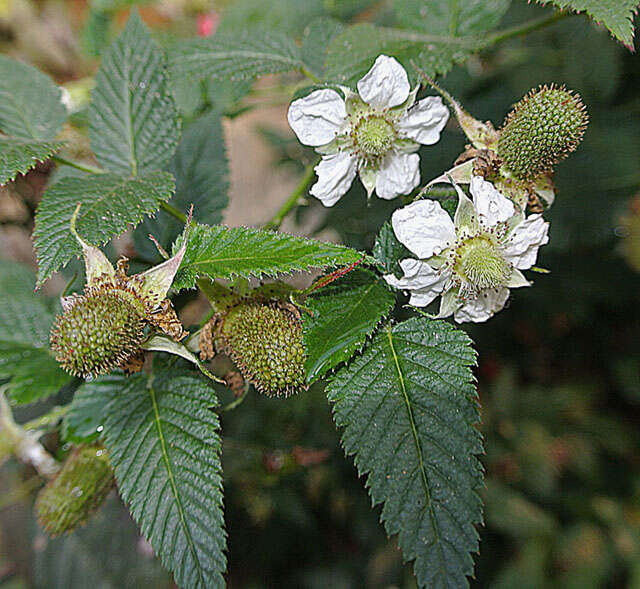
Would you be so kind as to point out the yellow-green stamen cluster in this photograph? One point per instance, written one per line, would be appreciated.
(99, 331)
(76, 492)
(542, 129)
(482, 264)
(265, 341)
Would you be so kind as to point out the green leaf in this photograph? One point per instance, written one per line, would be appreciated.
(30, 103)
(616, 15)
(236, 56)
(342, 315)
(317, 38)
(353, 52)
(163, 441)
(133, 122)
(409, 409)
(201, 171)
(18, 156)
(226, 252)
(450, 17)
(105, 554)
(25, 321)
(389, 251)
(109, 205)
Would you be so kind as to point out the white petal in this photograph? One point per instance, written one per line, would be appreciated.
(517, 280)
(318, 117)
(399, 174)
(385, 85)
(521, 247)
(492, 206)
(335, 176)
(424, 227)
(423, 282)
(488, 302)
(425, 120)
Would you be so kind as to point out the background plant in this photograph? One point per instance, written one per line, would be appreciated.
(558, 370)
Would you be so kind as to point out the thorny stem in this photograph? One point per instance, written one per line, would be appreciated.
(293, 199)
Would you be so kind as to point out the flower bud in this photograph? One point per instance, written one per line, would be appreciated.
(541, 130)
(265, 341)
(77, 492)
(97, 332)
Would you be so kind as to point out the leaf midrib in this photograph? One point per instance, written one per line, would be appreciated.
(172, 482)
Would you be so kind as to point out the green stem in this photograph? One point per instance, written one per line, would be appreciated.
(238, 401)
(310, 75)
(292, 201)
(165, 206)
(525, 28)
(77, 165)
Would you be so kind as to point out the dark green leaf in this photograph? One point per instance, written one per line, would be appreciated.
(615, 15)
(201, 171)
(236, 56)
(133, 122)
(317, 38)
(25, 321)
(18, 156)
(110, 205)
(30, 103)
(389, 251)
(409, 409)
(342, 315)
(163, 441)
(225, 252)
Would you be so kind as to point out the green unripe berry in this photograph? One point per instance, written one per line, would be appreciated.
(98, 332)
(76, 493)
(265, 341)
(541, 130)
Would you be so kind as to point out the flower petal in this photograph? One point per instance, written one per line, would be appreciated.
(385, 85)
(424, 227)
(318, 117)
(492, 207)
(398, 174)
(488, 302)
(521, 247)
(425, 120)
(335, 176)
(424, 282)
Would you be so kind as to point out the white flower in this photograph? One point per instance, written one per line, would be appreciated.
(472, 261)
(374, 133)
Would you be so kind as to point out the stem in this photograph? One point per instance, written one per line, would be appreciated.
(77, 165)
(525, 28)
(165, 206)
(238, 401)
(292, 201)
(310, 75)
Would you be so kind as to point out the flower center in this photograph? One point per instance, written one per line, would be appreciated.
(481, 263)
(374, 136)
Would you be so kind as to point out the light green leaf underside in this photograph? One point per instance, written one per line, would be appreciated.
(341, 317)
(30, 103)
(452, 17)
(25, 321)
(133, 122)
(353, 52)
(226, 252)
(236, 56)
(164, 444)
(104, 554)
(616, 15)
(408, 408)
(201, 171)
(18, 156)
(110, 204)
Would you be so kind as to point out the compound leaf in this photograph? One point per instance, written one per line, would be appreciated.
(227, 252)
(341, 317)
(408, 407)
(110, 204)
(133, 121)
